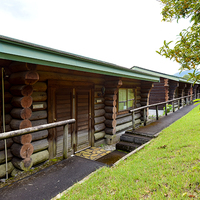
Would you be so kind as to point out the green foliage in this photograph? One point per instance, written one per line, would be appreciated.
(169, 108)
(186, 50)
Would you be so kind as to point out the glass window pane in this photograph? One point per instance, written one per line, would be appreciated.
(130, 98)
(122, 99)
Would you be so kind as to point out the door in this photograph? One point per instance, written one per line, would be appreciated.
(69, 101)
(83, 118)
(63, 111)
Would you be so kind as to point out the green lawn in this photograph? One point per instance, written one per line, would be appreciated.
(167, 168)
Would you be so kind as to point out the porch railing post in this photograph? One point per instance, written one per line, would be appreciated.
(165, 109)
(133, 120)
(173, 106)
(65, 141)
(145, 117)
(157, 113)
(178, 104)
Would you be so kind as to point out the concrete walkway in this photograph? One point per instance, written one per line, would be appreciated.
(57, 178)
(157, 126)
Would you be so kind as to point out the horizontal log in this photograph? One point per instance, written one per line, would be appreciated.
(9, 143)
(99, 127)
(3, 169)
(27, 78)
(39, 135)
(99, 135)
(40, 145)
(99, 112)
(40, 87)
(22, 164)
(40, 157)
(8, 119)
(123, 126)
(110, 115)
(110, 97)
(110, 123)
(21, 113)
(39, 96)
(3, 158)
(66, 76)
(39, 122)
(16, 124)
(112, 91)
(23, 139)
(144, 95)
(36, 106)
(22, 102)
(38, 115)
(110, 109)
(7, 85)
(8, 108)
(99, 106)
(124, 120)
(110, 103)
(15, 172)
(110, 131)
(114, 83)
(21, 90)
(138, 97)
(22, 151)
(98, 120)
(98, 94)
(7, 97)
(20, 67)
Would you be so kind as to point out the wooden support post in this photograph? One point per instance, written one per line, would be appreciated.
(65, 141)
(173, 106)
(145, 117)
(133, 120)
(165, 109)
(157, 113)
(178, 104)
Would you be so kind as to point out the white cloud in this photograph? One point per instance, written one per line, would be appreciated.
(125, 32)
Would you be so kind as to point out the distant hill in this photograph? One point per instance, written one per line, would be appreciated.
(183, 73)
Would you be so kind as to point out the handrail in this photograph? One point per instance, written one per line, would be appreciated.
(40, 128)
(156, 105)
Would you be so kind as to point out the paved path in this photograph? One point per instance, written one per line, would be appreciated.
(157, 126)
(51, 181)
(57, 178)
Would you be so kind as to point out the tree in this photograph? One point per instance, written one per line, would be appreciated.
(186, 50)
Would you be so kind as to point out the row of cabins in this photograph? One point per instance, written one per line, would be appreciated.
(41, 85)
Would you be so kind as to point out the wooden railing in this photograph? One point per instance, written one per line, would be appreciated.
(187, 99)
(64, 123)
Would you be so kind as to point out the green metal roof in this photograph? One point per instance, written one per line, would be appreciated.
(159, 74)
(17, 50)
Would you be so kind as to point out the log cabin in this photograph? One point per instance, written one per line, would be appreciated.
(169, 87)
(41, 85)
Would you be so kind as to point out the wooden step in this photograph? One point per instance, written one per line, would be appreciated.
(135, 132)
(138, 139)
(126, 146)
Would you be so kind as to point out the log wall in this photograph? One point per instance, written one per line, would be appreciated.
(160, 92)
(99, 112)
(7, 99)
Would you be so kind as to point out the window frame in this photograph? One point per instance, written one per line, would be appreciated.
(134, 100)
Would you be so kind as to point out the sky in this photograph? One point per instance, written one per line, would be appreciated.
(122, 32)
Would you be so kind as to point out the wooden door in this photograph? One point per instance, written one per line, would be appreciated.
(83, 119)
(63, 111)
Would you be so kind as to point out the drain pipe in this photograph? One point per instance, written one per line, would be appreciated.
(4, 129)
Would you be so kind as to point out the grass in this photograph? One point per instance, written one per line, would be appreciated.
(167, 168)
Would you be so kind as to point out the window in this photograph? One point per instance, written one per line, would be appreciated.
(126, 99)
